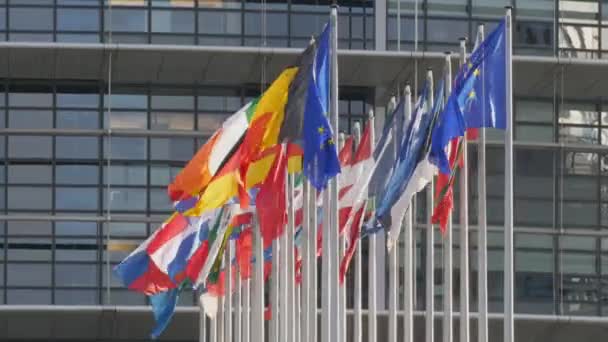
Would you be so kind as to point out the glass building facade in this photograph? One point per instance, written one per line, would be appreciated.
(83, 174)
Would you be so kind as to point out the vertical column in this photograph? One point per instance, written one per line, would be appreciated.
(409, 267)
(430, 246)
(357, 293)
(448, 242)
(380, 14)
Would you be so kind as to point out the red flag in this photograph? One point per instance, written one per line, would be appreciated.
(244, 251)
(354, 237)
(444, 195)
(271, 201)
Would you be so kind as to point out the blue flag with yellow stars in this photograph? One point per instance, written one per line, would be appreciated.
(480, 87)
(320, 159)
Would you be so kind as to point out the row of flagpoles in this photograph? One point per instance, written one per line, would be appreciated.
(251, 266)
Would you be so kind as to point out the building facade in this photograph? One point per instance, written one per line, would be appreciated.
(103, 101)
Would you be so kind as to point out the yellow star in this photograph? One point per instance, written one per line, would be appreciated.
(330, 142)
(472, 94)
(476, 72)
(321, 130)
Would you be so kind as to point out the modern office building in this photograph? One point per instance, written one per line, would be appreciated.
(103, 101)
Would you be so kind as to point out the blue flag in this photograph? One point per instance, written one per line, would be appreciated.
(163, 307)
(320, 160)
(414, 149)
(480, 87)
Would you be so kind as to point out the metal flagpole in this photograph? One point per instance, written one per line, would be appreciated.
(357, 319)
(464, 227)
(228, 294)
(257, 299)
(291, 298)
(332, 228)
(220, 333)
(238, 306)
(297, 308)
(283, 316)
(312, 242)
(341, 289)
(393, 252)
(482, 234)
(508, 271)
(430, 245)
(408, 254)
(245, 309)
(448, 239)
(274, 292)
(213, 335)
(306, 269)
(202, 324)
(372, 330)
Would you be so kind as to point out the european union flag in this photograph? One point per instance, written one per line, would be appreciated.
(480, 86)
(320, 160)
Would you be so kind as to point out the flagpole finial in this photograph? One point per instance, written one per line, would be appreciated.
(334, 4)
(508, 7)
(370, 114)
(448, 53)
(462, 39)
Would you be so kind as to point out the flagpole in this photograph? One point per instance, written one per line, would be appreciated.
(228, 295)
(220, 317)
(291, 304)
(213, 323)
(238, 309)
(257, 298)
(245, 309)
(306, 269)
(283, 316)
(333, 324)
(482, 235)
(408, 257)
(392, 252)
(357, 319)
(372, 270)
(342, 289)
(202, 324)
(274, 292)
(464, 227)
(508, 271)
(312, 243)
(448, 239)
(430, 243)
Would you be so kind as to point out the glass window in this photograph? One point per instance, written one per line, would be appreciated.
(24, 18)
(123, 297)
(77, 147)
(77, 119)
(447, 31)
(76, 297)
(578, 263)
(28, 296)
(171, 102)
(79, 19)
(578, 37)
(128, 101)
(71, 249)
(78, 100)
(581, 163)
(579, 11)
(2, 28)
(581, 187)
(536, 9)
(210, 123)
(534, 133)
(25, 274)
(580, 114)
(36, 100)
(76, 275)
(171, 120)
(126, 148)
(580, 243)
(126, 199)
(534, 212)
(219, 22)
(126, 119)
(447, 7)
(534, 34)
(30, 118)
(29, 147)
(159, 201)
(77, 174)
(277, 23)
(17, 228)
(76, 198)
(532, 261)
(126, 229)
(75, 228)
(230, 103)
(29, 174)
(126, 20)
(163, 175)
(29, 198)
(534, 111)
(580, 214)
(174, 21)
(127, 174)
(78, 38)
(178, 149)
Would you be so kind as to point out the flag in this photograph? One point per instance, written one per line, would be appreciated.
(306, 112)
(271, 200)
(412, 170)
(444, 195)
(479, 89)
(346, 182)
(210, 158)
(362, 163)
(163, 306)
